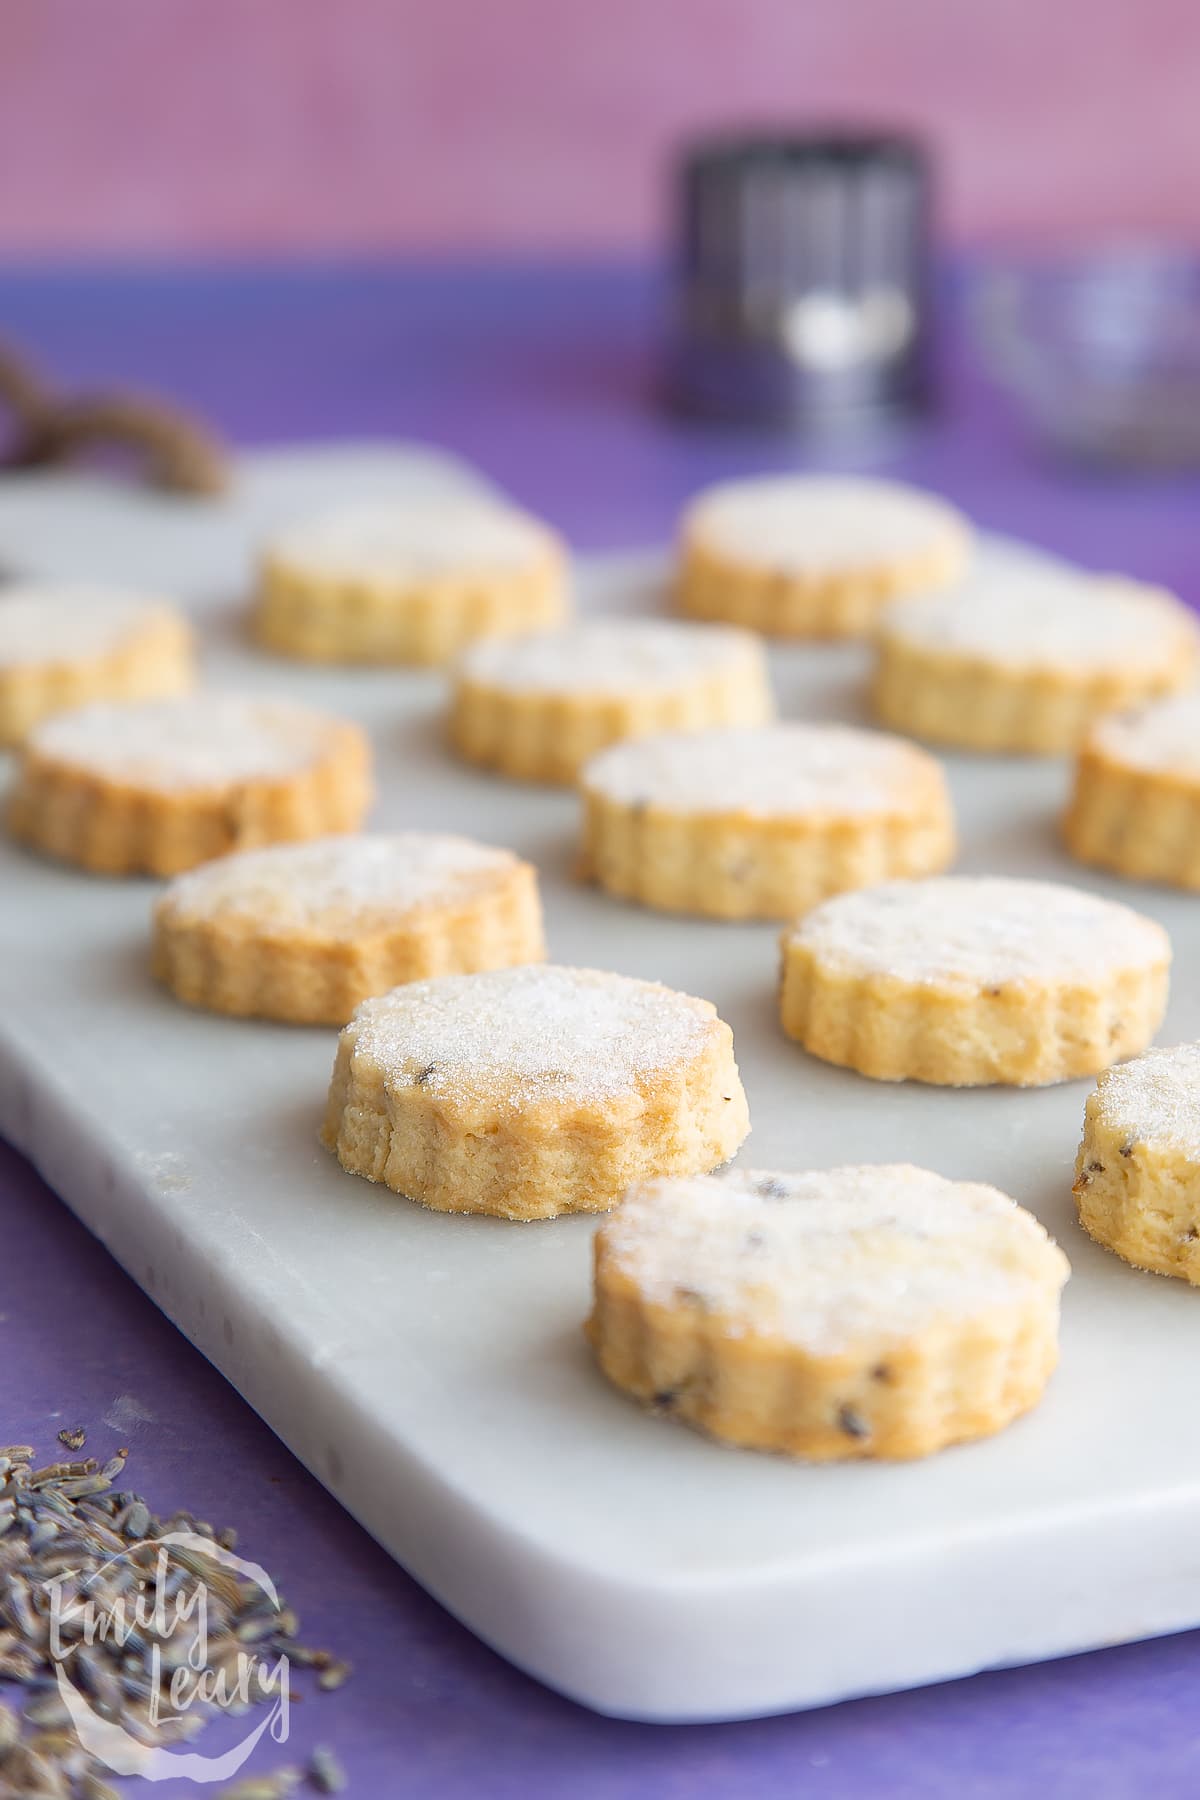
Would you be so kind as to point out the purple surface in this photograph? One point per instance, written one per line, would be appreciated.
(543, 378)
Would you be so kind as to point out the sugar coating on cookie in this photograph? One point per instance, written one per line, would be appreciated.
(974, 931)
(543, 1033)
(863, 1253)
(1023, 655)
(161, 785)
(785, 771)
(761, 822)
(57, 623)
(407, 580)
(201, 741)
(968, 980)
(539, 706)
(63, 645)
(532, 1091)
(339, 886)
(1044, 617)
(610, 657)
(821, 524)
(1135, 800)
(1137, 1174)
(815, 555)
(877, 1310)
(1160, 739)
(305, 932)
(1155, 1100)
(413, 539)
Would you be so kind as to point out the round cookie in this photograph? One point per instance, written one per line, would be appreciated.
(304, 932)
(970, 980)
(1135, 805)
(409, 581)
(815, 555)
(1137, 1175)
(878, 1311)
(64, 645)
(537, 707)
(530, 1092)
(158, 786)
(751, 824)
(1023, 656)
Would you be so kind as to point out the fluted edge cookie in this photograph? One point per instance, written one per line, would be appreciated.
(1135, 801)
(304, 932)
(158, 786)
(63, 646)
(1137, 1175)
(965, 981)
(526, 1093)
(745, 824)
(875, 1311)
(815, 555)
(409, 581)
(1024, 656)
(538, 707)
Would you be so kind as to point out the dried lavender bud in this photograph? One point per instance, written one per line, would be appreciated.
(93, 1788)
(308, 1658)
(135, 1520)
(264, 1787)
(325, 1771)
(10, 1729)
(851, 1421)
(83, 1485)
(46, 1710)
(43, 1536)
(57, 1471)
(64, 1521)
(334, 1675)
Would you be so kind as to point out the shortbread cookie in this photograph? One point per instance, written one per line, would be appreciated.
(539, 706)
(1136, 800)
(62, 646)
(1022, 658)
(1137, 1175)
(531, 1092)
(161, 785)
(409, 581)
(864, 1312)
(304, 932)
(745, 824)
(967, 980)
(815, 555)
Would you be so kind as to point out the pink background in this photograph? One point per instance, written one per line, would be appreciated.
(343, 125)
